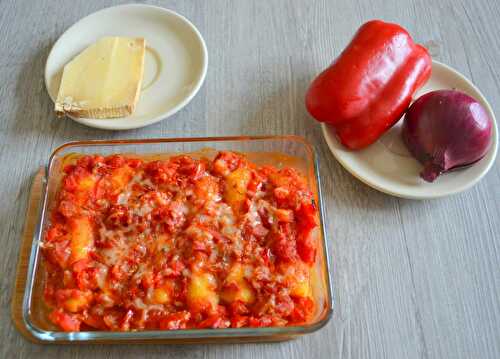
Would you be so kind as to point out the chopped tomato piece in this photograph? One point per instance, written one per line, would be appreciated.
(238, 321)
(175, 321)
(284, 247)
(67, 322)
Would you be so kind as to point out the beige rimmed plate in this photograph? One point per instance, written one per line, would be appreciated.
(387, 165)
(175, 62)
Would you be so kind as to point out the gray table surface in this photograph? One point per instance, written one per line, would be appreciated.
(412, 279)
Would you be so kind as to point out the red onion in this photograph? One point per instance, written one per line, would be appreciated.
(446, 129)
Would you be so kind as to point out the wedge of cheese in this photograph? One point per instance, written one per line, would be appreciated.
(104, 80)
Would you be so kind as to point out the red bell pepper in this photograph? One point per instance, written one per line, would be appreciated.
(369, 86)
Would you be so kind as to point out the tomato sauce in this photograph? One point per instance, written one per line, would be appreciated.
(180, 243)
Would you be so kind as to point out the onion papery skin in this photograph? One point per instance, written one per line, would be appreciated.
(446, 129)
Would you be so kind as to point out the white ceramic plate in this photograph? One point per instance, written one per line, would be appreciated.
(388, 166)
(175, 62)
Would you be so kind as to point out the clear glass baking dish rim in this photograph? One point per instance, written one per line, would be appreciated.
(187, 334)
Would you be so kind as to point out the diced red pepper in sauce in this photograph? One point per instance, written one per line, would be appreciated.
(179, 243)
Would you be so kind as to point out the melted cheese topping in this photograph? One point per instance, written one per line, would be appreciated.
(170, 250)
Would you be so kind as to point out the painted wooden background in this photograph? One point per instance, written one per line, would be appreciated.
(412, 279)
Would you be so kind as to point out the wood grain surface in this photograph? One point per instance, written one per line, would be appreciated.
(25, 245)
(412, 279)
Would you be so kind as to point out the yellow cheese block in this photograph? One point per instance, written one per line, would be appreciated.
(104, 80)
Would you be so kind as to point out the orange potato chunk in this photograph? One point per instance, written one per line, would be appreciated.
(82, 238)
(236, 188)
(236, 286)
(201, 294)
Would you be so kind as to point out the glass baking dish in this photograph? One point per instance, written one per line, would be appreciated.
(273, 150)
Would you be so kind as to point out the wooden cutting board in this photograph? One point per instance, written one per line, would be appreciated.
(24, 254)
